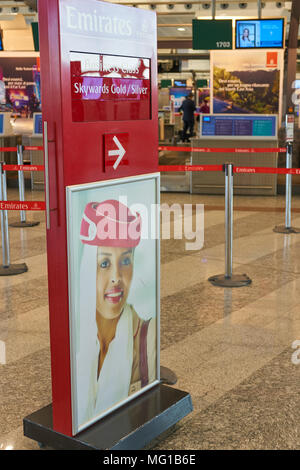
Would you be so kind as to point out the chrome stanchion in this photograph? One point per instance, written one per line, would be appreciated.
(21, 180)
(7, 269)
(228, 279)
(287, 228)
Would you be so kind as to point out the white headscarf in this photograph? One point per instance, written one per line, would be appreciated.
(96, 396)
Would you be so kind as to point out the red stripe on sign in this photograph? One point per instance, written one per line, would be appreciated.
(33, 148)
(8, 149)
(190, 168)
(22, 206)
(222, 149)
(23, 168)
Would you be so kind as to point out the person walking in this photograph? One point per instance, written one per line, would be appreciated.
(188, 108)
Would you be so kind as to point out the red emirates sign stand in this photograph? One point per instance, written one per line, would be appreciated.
(100, 108)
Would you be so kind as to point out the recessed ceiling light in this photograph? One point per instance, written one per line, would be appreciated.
(181, 29)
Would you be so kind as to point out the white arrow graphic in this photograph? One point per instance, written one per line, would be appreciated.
(117, 153)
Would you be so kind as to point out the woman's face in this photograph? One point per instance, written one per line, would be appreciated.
(246, 33)
(114, 275)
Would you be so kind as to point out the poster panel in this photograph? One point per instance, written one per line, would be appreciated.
(20, 90)
(248, 82)
(113, 258)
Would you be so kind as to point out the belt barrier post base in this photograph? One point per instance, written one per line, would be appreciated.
(284, 229)
(236, 280)
(13, 269)
(24, 224)
(167, 376)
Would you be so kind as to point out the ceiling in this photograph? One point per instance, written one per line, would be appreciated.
(174, 18)
(179, 14)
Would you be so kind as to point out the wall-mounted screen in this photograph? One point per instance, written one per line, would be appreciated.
(240, 127)
(37, 124)
(1, 124)
(1, 41)
(178, 95)
(110, 88)
(265, 33)
(179, 83)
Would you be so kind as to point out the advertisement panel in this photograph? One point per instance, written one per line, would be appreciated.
(248, 82)
(20, 91)
(113, 290)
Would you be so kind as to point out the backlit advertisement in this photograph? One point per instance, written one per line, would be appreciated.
(114, 298)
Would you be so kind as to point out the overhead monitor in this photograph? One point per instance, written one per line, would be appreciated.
(239, 127)
(261, 33)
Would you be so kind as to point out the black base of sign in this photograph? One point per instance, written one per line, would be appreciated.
(23, 224)
(13, 269)
(132, 427)
(236, 280)
(283, 229)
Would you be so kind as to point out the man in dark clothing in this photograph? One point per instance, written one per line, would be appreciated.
(188, 107)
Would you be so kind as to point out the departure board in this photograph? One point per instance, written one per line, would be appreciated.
(1, 124)
(238, 126)
(37, 124)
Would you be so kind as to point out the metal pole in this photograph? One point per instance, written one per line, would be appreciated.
(213, 13)
(288, 190)
(7, 269)
(229, 279)
(287, 228)
(6, 235)
(4, 229)
(259, 7)
(21, 181)
(228, 218)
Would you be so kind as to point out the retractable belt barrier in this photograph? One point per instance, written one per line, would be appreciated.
(8, 269)
(237, 169)
(223, 149)
(229, 279)
(224, 280)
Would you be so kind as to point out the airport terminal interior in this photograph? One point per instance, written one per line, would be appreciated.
(234, 349)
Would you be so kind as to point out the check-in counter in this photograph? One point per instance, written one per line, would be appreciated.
(248, 184)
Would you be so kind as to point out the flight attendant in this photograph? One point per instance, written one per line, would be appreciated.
(117, 348)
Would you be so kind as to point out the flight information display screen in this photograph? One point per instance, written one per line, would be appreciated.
(238, 126)
(38, 123)
(1, 124)
(266, 33)
(110, 88)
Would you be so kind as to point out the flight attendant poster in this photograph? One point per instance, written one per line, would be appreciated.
(113, 252)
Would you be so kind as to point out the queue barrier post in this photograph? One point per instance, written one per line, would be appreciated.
(7, 269)
(21, 180)
(229, 279)
(287, 228)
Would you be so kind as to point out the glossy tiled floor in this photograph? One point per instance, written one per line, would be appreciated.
(230, 348)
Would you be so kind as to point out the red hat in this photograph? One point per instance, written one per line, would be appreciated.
(110, 223)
